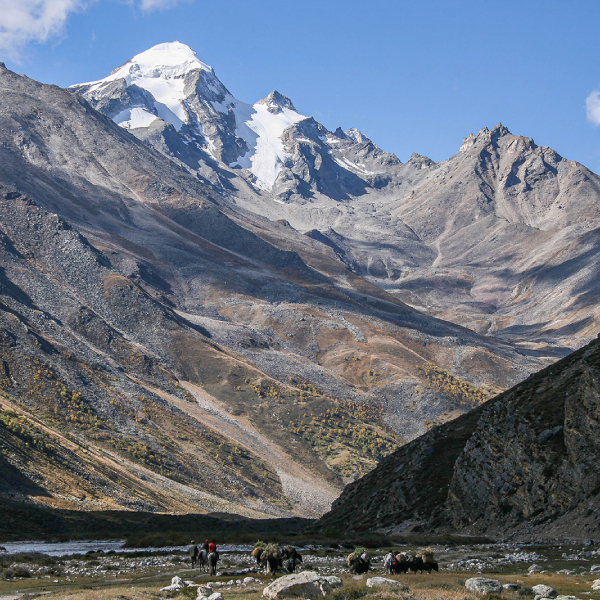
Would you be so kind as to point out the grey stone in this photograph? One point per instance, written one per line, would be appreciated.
(536, 569)
(375, 582)
(483, 585)
(176, 584)
(545, 591)
(307, 585)
(334, 581)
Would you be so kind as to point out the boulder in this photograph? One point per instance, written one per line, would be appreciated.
(545, 591)
(176, 584)
(482, 586)
(216, 596)
(512, 587)
(536, 569)
(376, 582)
(595, 569)
(306, 585)
(596, 585)
(334, 581)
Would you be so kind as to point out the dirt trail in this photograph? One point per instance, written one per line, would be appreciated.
(299, 484)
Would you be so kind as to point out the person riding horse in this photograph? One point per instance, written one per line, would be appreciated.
(213, 558)
(193, 552)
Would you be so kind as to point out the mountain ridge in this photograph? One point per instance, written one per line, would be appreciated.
(436, 235)
(130, 282)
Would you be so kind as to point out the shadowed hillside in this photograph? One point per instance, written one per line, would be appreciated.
(523, 465)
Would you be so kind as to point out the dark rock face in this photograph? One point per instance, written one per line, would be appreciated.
(547, 436)
(523, 465)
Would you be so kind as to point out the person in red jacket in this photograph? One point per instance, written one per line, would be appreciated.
(213, 558)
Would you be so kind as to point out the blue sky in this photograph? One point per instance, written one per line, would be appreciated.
(413, 76)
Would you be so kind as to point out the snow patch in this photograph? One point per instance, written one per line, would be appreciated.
(346, 164)
(224, 106)
(262, 131)
(133, 118)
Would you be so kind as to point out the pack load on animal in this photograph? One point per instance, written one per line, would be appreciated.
(359, 560)
(424, 560)
(272, 557)
(256, 553)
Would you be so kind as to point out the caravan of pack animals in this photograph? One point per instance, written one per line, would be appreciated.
(272, 558)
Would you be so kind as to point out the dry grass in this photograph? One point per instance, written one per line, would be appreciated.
(437, 586)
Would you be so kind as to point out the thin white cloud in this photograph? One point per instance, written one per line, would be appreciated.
(26, 21)
(592, 104)
(152, 5)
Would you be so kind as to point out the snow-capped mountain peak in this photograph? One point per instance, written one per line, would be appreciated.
(356, 135)
(168, 87)
(161, 71)
(276, 102)
(261, 127)
(170, 60)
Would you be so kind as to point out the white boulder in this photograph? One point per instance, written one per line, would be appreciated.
(176, 584)
(482, 586)
(596, 585)
(305, 585)
(595, 569)
(375, 582)
(545, 591)
(536, 569)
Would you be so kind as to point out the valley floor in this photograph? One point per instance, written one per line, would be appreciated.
(140, 575)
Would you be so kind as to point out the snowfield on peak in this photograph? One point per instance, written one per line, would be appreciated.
(161, 71)
(133, 118)
(262, 129)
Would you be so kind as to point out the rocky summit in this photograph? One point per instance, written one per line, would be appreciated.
(215, 306)
(524, 465)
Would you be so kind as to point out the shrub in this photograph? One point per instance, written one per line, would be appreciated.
(348, 593)
(21, 572)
